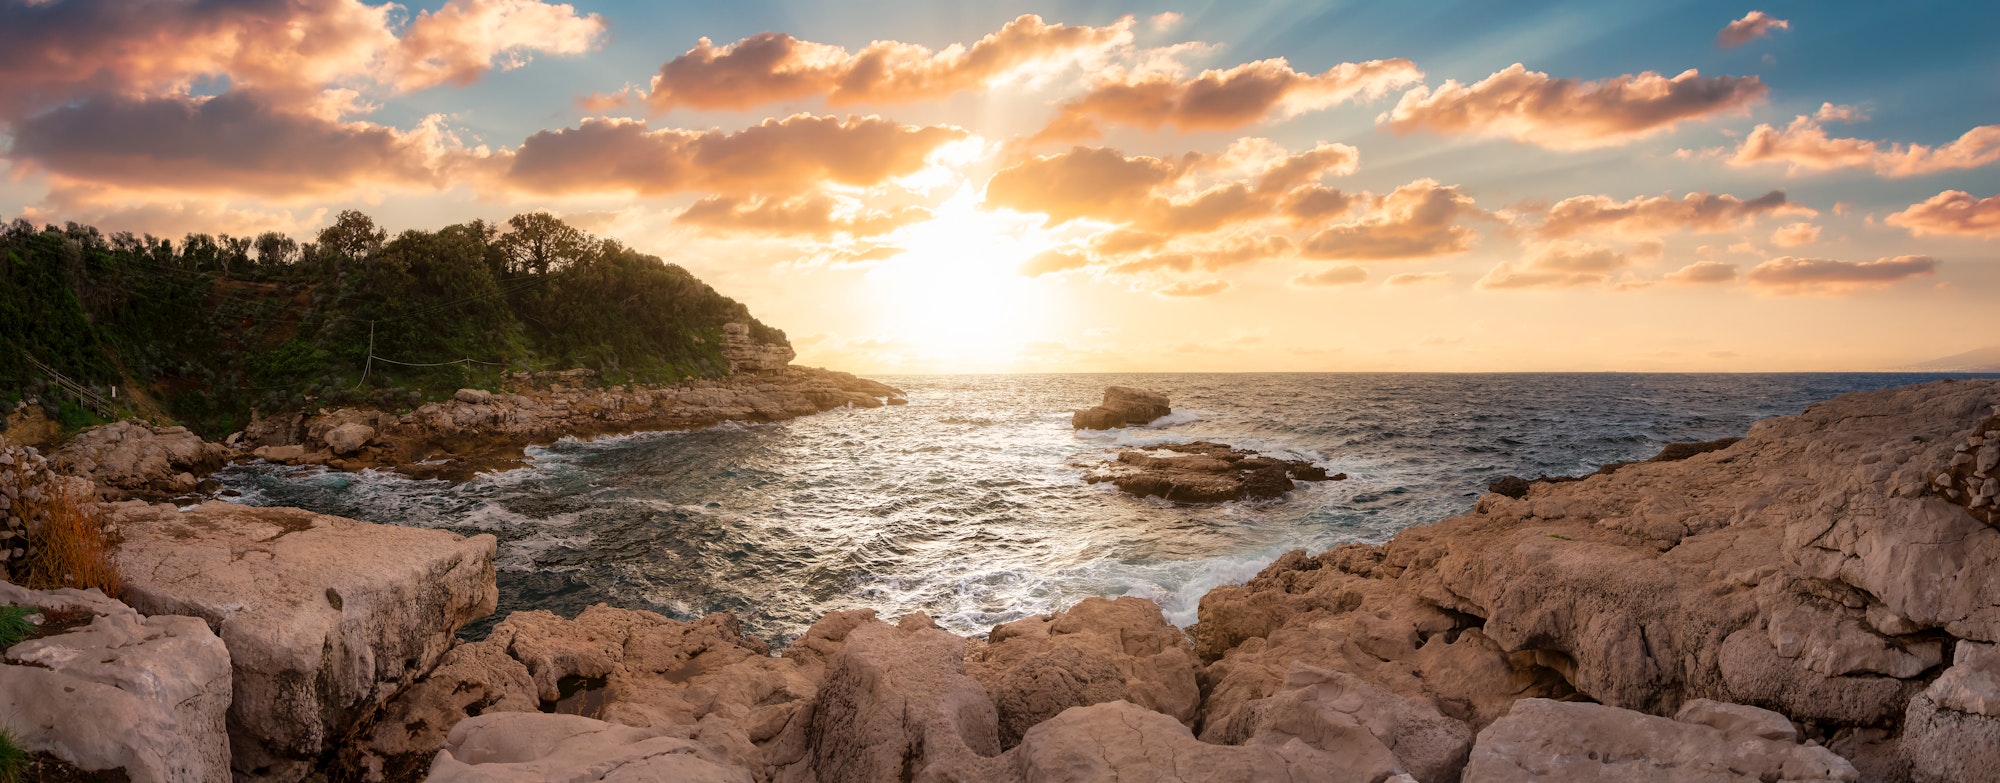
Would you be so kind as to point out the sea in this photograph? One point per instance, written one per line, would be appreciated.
(969, 503)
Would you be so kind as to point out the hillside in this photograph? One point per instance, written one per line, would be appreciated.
(1985, 359)
(209, 329)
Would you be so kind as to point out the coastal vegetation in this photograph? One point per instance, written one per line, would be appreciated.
(210, 328)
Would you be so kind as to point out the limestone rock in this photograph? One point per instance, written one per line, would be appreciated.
(473, 396)
(534, 747)
(1952, 729)
(348, 439)
(896, 702)
(145, 695)
(1350, 718)
(1099, 650)
(1122, 405)
(1555, 742)
(1122, 741)
(324, 617)
(1203, 472)
(134, 456)
(746, 355)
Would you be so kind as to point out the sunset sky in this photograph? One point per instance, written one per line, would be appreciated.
(1101, 186)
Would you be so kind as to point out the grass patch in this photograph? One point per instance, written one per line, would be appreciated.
(13, 760)
(14, 625)
(73, 551)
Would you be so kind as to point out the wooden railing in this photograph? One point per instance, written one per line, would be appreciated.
(82, 393)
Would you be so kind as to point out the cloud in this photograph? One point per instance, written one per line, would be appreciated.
(1345, 274)
(1417, 278)
(1222, 99)
(1415, 221)
(461, 41)
(1049, 262)
(1795, 234)
(1788, 275)
(774, 67)
(1190, 289)
(1951, 212)
(236, 142)
(1656, 215)
(1703, 273)
(55, 53)
(1804, 146)
(1567, 265)
(1833, 112)
(1530, 107)
(601, 102)
(775, 157)
(816, 215)
(1752, 26)
(1153, 195)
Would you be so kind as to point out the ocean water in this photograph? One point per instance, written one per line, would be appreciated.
(969, 503)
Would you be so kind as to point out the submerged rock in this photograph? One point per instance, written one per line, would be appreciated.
(1204, 472)
(1122, 405)
(324, 618)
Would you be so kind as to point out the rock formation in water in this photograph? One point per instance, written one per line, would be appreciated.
(1204, 472)
(1813, 603)
(1123, 405)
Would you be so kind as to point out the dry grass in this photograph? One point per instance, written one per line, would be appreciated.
(74, 552)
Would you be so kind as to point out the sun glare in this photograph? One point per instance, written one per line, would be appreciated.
(955, 295)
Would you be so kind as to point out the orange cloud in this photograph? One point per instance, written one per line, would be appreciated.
(1223, 99)
(1951, 212)
(817, 215)
(1191, 289)
(1417, 278)
(1345, 274)
(1415, 221)
(1752, 26)
(1052, 261)
(461, 41)
(1703, 273)
(1804, 146)
(1656, 215)
(54, 53)
(1567, 265)
(783, 157)
(1103, 184)
(237, 142)
(1795, 234)
(601, 102)
(775, 67)
(1788, 275)
(1530, 107)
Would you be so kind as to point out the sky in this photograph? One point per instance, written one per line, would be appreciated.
(1101, 186)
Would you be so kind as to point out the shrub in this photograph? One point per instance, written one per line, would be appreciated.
(59, 530)
(14, 625)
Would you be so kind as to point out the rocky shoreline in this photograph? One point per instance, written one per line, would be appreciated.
(474, 431)
(1812, 603)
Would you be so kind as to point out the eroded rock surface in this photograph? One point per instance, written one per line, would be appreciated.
(145, 696)
(135, 457)
(324, 618)
(1122, 405)
(1099, 650)
(1571, 742)
(1204, 472)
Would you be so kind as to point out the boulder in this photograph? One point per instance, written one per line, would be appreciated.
(1122, 405)
(1555, 742)
(146, 696)
(534, 747)
(1203, 472)
(1952, 730)
(133, 456)
(325, 618)
(473, 396)
(1099, 650)
(348, 439)
(895, 704)
(1123, 741)
(1352, 718)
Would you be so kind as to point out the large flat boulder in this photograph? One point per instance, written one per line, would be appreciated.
(535, 747)
(1573, 742)
(146, 696)
(325, 618)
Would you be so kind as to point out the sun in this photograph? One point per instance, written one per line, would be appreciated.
(955, 295)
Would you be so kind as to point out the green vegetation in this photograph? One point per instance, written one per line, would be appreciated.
(13, 760)
(14, 625)
(216, 327)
